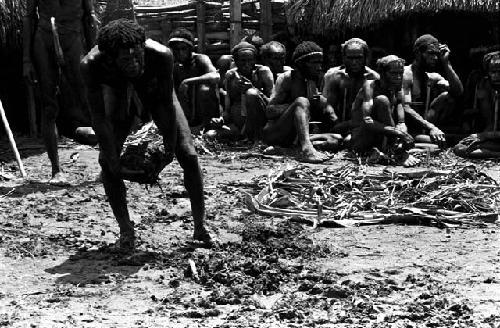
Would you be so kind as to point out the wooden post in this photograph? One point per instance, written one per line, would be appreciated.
(166, 29)
(30, 92)
(235, 22)
(200, 25)
(266, 20)
(11, 140)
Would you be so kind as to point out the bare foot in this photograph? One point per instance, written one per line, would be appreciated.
(59, 179)
(408, 160)
(311, 155)
(202, 235)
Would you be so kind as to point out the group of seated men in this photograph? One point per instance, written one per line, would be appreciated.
(394, 107)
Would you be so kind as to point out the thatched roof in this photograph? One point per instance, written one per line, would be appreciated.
(11, 22)
(322, 17)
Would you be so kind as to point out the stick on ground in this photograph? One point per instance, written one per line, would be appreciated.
(11, 140)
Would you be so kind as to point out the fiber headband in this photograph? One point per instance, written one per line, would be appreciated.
(308, 55)
(183, 40)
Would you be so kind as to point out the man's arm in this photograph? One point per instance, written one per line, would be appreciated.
(101, 123)
(164, 114)
(456, 87)
(29, 24)
(267, 79)
(211, 76)
(90, 23)
(279, 96)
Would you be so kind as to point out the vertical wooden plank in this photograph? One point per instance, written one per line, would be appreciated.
(166, 29)
(200, 25)
(235, 22)
(266, 20)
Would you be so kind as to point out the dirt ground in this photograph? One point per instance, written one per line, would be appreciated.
(58, 270)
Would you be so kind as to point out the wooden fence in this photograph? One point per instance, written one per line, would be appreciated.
(217, 25)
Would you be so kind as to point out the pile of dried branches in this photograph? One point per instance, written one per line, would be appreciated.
(350, 196)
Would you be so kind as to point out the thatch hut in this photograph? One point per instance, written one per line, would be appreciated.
(394, 24)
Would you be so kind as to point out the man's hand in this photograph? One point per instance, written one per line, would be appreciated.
(444, 54)
(437, 136)
(243, 85)
(217, 122)
(29, 73)
(402, 127)
(408, 141)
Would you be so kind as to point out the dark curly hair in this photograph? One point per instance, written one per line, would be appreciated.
(120, 33)
(305, 48)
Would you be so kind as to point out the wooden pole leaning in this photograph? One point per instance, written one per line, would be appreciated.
(11, 140)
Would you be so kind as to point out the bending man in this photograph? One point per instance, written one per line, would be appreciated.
(124, 74)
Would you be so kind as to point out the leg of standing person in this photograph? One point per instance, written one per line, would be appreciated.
(48, 73)
(188, 160)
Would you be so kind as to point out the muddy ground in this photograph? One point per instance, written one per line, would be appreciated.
(57, 268)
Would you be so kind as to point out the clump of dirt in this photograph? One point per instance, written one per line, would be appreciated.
(267, 258)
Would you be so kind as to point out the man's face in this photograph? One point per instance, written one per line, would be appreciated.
(494, 72)
(430, 57)
(130, 61)
(312, 66)
(354, 58)
(275, 59)
(245, 61)
(182, 51)
(393, 76)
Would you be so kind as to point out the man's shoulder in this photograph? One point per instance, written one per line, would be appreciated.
(153, 46)
(262, 68)
(408, 73)
(336, 71)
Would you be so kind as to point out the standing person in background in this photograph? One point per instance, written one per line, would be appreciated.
(52, 47)
(195, 80)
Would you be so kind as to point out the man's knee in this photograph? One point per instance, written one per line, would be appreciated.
(381, 100)
(303, 103)
(252, 94)
(205, 92)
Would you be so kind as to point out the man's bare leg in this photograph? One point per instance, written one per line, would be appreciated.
(294, 121)
(193, 180)
(256, 117)
(115, 189)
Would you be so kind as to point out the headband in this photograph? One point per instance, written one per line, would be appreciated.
(308, 55)
(183, 40)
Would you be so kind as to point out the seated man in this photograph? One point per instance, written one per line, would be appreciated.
(342, 83)
(124, 74)
(487, 143)
(295, 101)
(223, 64)
(430, 84)
(195, 80)
(273, 55)
(248, 87)
(379, 113)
